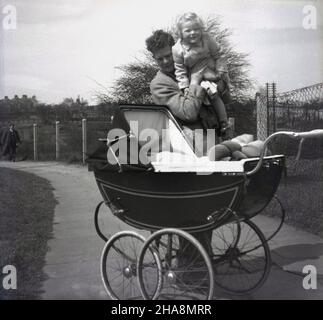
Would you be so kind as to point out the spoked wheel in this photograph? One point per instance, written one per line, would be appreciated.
(240, 256)
(119, 266)
(185, 266)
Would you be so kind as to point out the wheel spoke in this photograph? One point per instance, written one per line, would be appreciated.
(186, 267)
(244, 265)
(118, 265)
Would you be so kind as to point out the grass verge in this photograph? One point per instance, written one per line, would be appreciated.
(27, 208)
(301, 194)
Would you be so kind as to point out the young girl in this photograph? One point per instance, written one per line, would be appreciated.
(198, 57)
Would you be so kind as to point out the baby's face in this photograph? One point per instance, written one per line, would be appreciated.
(191, 32)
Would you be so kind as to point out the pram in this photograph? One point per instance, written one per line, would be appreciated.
(197, 211)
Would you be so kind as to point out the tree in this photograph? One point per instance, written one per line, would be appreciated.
(238, 64)
(133, 84)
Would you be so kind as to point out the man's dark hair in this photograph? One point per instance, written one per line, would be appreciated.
(159, 40)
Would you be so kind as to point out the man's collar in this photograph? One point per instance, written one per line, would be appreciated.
(170, 74)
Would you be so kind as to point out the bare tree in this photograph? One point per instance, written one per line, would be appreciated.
(133, 84)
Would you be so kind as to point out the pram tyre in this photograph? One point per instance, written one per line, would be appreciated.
(119, 265)
(186, 274)
(241, 261)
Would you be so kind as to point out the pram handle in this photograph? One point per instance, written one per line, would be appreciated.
(294, 135)
(110, 142)
(309, 134)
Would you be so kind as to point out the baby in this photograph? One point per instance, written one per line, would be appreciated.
(198, 57)
(241, 147)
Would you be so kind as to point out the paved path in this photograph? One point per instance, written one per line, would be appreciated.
(72, 263)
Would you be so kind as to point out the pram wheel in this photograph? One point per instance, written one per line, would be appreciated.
(240, 256)
(119, 266)
(185, 266)
(274, 208)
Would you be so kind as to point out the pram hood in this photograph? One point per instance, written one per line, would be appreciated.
(130, 121)
(98, 160)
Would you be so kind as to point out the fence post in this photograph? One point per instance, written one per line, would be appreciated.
(35, 141)
(57, 139)
(267, 108)
(274, 107)
(84, 139)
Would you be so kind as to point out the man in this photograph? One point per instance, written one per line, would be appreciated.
(9, 140)
(164, 88)
(165, 91)
(185, 107)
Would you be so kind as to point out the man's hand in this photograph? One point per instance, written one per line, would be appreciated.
(196, 78)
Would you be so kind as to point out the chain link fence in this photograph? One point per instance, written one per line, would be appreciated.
(262, 119)
(297, 110)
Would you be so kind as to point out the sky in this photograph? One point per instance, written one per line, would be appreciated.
(66, 48)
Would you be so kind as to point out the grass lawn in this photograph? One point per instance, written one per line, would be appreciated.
(26, 218)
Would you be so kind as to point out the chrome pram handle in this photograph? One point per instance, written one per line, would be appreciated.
(294, 135)
(110, 142)
(308, 134)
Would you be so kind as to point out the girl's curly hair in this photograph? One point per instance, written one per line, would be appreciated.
(187, 17)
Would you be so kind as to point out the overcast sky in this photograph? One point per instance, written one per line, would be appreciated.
(60, 46)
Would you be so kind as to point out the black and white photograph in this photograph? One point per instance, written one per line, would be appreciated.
(161, 150)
